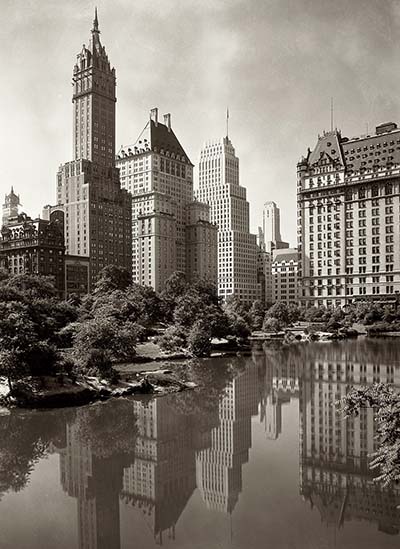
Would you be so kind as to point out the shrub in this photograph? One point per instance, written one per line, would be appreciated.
(173, 339)
(199, 340)
(272, 325)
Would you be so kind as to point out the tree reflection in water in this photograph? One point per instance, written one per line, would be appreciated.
(151, 454)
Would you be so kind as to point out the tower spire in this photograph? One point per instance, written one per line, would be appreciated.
(95, 21)
(227, 122)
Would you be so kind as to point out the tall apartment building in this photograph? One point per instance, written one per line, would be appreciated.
(271, 228)
(97, 210)
(169, 232)
(348, 215)
(237, 248)
(284, 270)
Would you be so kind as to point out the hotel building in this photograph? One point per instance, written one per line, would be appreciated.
(348, 217)
(170, 232)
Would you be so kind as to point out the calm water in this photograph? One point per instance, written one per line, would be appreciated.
(260, 460)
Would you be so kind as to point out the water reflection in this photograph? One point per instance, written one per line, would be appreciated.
(152, 456)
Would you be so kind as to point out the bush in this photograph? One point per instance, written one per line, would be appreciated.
(199, 340)
(173, 339)
(99, 364)
(272, 325)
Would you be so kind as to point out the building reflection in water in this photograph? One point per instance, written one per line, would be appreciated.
(152, 454)
(176, 447)
(219, 467)
(334, 474)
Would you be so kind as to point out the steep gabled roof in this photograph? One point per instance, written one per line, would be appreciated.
(158, 137)
(328, 146)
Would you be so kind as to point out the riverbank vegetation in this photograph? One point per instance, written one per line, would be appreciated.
(41, 335)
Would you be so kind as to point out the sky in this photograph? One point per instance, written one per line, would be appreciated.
(274, 63)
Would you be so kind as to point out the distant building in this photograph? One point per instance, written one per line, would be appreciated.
(348, 218)
(271, 229)
(285, 275)
(34, 246)
(77, 267)
(10, 206)
(237, 249)
(170, 232)
(264, 276)
(97, 210)
(201, 244)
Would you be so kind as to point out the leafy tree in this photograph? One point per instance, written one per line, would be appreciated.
(280, 312)
(103, 334)
(257, 313)
(112, 278)
(199, 339)
(173, 339)
(272, 324)
(32, 286)
(239, 319)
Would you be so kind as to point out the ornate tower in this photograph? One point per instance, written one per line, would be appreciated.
(94, 103)
(10, 206)
(97, 211)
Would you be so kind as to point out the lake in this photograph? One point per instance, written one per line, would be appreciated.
(261, 459)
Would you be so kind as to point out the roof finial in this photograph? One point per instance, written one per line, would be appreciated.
(95, 21)
(332, 118)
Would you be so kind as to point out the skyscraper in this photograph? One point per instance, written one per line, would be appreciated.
(237, 249)
(97, 211)
(271, 228)
(170, 232)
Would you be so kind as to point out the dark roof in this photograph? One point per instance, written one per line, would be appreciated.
(381, 150)
(158, 137)
(375, 150)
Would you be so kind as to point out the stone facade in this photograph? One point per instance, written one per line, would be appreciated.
(34, 246)
(348, 214)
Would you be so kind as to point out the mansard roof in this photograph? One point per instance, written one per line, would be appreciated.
(327, 148)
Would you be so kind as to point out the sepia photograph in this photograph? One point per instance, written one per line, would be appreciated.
(200, 274)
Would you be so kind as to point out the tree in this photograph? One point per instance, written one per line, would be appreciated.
(280, 312)
(173, 339)
(272, 324)
(103, 334)
(239, 319)
(199, 339)
(257, 313)
(386, 402)
(112, 278)
(32, 286)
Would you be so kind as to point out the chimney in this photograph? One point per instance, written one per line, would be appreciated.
(154, 115)
(167, 121)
